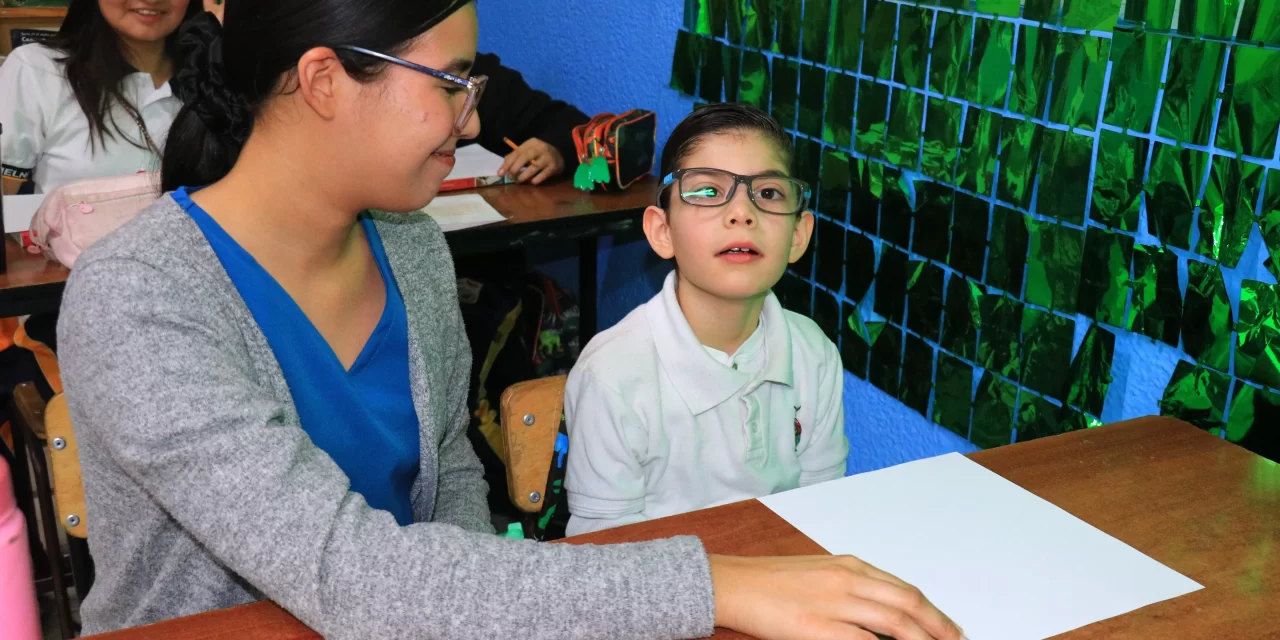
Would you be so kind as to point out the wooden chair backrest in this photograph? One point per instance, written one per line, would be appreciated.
(531, 413)
(64, 466)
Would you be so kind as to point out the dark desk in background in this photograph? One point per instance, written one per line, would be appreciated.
(1202, 506)
(551, 213)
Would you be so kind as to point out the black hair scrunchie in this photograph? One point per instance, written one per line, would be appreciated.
(199, 81)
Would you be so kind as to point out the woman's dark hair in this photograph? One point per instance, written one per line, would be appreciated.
(96, 64)
(230, 71)
(712, 119)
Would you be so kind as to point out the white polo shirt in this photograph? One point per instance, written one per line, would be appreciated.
(46, 134)
(659, 425)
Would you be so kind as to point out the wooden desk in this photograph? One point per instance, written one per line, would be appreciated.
(1206, 508)
(47, 18)
(535, 215)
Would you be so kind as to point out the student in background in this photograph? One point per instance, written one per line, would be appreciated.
(711, 392)
(94, 101)
(269, 382)
(541, 127)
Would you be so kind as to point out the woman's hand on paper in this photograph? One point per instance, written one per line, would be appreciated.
(534, 161)
(820, 597)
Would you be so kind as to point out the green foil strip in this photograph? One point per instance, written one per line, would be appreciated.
(759, 25)
(1171, 191)
(993, 412)
(712, 18)
(969, 235)
(808, 161)
(1157, 302)
(931, 236)
(813, 87)
(1269, 222)
(1079, 75)
(1254, 418)
(1117, 183)
(1260, 22)
(924, 299)
(1137, 59)
(855, 354)
(786, 14)
(941, 139)
(826, 313)
(1008, 254)
(829, 271)
(873, 118)
(1196, 395)
(794, 294)
(1053, 270)
(711, 78)
(895, 210)
(864, 207)
(1038, 418)
(866, 324)
(1191, 91)
(914, 27)
(1089, 379)
(1073, 420)
(1206, 320)
(846, 42)
(1258, 341)
(1092, 15)
(1037, 48)
(1010, 8)
(859, 266)
(902, 142)
(952, 38)
(786, 78)
(754, 88)
(691, 11)
(953, 394)
(1065, 165)
(817, 28)
(917, 375)
(1018, 161)
(732, 65)
(837, 126)
(1104, 276)
(1046, 351)
(1213, 18)
(1159, 14)
(886, 361)
(989, 66)
(837, 182)
(735, 11)
(962, 316)
(1251, 107)
(979, 151)
(891, 285)
(685, 63)
(999, 341)
(1226, 215)
(1046, 11)
(877, 54)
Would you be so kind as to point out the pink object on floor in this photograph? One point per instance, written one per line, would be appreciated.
(21, 619)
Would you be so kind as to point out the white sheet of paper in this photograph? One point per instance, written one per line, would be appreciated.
(462, 212)
(18, 211)
(1000, 561)
(474, 161)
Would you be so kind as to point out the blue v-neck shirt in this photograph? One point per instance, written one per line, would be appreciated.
(362, 417)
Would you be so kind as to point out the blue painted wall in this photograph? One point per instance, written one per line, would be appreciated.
(610, 56)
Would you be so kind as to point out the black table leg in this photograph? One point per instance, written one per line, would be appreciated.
(588, 250)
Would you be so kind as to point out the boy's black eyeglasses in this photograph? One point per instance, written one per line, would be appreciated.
(474, 85)
(776, 194)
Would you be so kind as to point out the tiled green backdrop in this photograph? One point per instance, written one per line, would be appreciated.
(1005, 186)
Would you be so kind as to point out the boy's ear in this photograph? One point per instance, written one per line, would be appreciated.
(658, 232)
(800, 237)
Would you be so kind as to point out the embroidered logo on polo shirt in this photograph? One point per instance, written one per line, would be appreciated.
(799, 429)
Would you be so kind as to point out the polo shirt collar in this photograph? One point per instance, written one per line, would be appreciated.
(702, 382)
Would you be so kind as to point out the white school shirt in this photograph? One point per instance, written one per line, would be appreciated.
(658, 426)
(46, 134)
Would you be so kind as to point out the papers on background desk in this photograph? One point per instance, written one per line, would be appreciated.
(1000, 561)
(462, 212)
(476, 167)
(19, 210)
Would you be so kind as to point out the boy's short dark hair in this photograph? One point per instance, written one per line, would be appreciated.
(712, 119)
